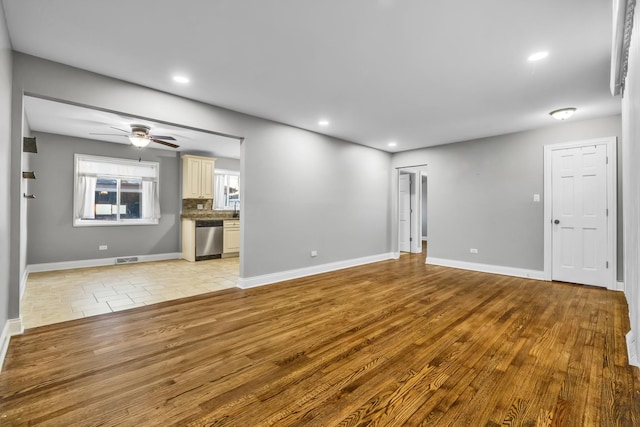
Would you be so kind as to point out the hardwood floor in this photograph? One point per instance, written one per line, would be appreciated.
(392, 343)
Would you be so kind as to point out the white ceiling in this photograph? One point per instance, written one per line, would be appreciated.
(418, 72)
(66, 119)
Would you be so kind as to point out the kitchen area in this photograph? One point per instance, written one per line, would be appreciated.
(210, 218)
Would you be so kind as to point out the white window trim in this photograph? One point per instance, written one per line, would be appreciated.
(78, 222)
(223, 172)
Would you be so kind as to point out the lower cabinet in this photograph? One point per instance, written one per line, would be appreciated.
(231, 239)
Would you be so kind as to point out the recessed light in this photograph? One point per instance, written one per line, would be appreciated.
(323, 122)
(392, 144)
(563, 113)
(537, 56)
(181, 79)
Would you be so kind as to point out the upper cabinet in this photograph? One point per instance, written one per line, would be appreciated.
(197, 177)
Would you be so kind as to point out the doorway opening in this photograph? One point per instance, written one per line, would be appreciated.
(65, 128)
(411, 214)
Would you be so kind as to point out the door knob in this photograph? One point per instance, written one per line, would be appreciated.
(557, 221)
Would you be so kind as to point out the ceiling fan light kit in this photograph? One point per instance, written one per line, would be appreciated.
(139, 135)
(139, 141)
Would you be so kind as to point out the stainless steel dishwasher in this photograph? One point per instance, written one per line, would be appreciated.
(208, 239)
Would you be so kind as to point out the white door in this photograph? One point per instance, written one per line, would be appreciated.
(579, 215)
(404, 233)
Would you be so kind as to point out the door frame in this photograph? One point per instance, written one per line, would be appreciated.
(612, 218)
(416, 214)
(424, 186)
(411, 210)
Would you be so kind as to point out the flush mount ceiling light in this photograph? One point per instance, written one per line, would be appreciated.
(139, 140)
(323, 123)
(537, 56)
(181, 79)
(392, 144)
(563, 113)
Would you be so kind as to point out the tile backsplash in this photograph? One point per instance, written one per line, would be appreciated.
(192, 204)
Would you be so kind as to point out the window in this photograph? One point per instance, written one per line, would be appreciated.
(227, 189)
(111, 191)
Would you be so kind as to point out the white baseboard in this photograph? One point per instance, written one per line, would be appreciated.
(11, 328)
(631, 349)
(424, 238)
(255, 281)
(99, 262)
(487, 268)
(620, 286)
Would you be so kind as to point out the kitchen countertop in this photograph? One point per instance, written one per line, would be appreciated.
(208, 214)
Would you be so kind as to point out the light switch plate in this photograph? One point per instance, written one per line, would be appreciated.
(536, 197)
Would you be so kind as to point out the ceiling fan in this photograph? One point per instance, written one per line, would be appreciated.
(139, 136)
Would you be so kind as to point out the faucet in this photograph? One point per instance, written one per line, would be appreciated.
(235, 209)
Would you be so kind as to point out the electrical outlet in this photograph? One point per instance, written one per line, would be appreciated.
(314, 253)
(473, 250)
(536, 197)
(200, 206)
(102, 248)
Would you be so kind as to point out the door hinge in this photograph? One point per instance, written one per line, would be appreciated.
(607, 264)
(607, 211)
(607, 159)
(411, 239)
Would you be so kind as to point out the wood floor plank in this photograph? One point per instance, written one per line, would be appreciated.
(392, 343)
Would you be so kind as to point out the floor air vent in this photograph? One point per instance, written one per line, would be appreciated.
(127, 260)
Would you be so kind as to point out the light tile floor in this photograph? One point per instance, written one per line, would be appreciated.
(58, 296)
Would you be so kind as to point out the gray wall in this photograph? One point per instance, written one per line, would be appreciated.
(227, 163)
(306, 192)
(5, 173)
(301, 190)
(52, 237)
(480, 193)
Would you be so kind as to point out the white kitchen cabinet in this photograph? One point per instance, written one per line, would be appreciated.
(231, 236)
(197, 177)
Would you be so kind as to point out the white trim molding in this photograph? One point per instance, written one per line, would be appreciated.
(23, 281)
(631, 349)
(11, 328)
(623, 11)
(99, 262)
(266, 279)
(612, 224)
(487, 268)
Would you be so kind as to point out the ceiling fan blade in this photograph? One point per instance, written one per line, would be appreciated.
(168, 144)
(168, 138)
(109, 134)
(121, 130)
